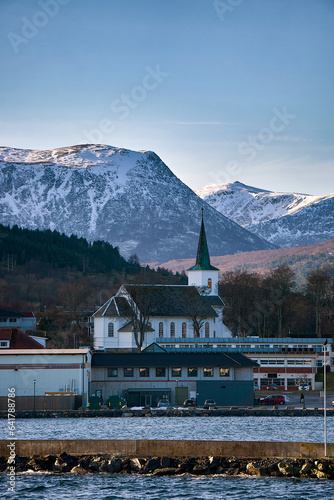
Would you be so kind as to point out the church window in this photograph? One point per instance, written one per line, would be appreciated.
(161, 329)
(172, 329)
(207, 330)
(110, 329)
(184, 330)
(209, 283)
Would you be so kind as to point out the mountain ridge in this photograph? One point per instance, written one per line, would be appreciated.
(130, 199)
(284, 219)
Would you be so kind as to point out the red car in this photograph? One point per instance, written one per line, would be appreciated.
(273, 400)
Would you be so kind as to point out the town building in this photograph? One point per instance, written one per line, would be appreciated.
(284, 362)
(138, 315)
(45, 378)
(143, 378)
(13, 338)
(24, 321)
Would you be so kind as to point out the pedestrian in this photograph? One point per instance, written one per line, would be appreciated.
(302, 399)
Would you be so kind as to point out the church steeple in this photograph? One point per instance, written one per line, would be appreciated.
(203, 275)
(203, 257)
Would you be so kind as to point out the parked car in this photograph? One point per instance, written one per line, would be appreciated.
(163, 403)
(273, 400)
(303, 387)
(189, 402)
(209, 403)
(272, 387)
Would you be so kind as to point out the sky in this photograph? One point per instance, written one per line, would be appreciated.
(221, 90)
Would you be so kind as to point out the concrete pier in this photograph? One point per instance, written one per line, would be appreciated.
(168, 448)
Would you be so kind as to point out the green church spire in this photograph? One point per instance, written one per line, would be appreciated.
(203, 257)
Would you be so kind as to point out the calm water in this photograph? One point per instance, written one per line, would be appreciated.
(203, 428)
(116, 487)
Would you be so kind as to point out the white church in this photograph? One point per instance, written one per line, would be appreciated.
(169, 315)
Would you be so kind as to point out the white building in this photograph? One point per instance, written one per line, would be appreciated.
(157, 312)
(37, 373)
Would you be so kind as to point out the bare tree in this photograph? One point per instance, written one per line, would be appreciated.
(141, 302)
(319, 286)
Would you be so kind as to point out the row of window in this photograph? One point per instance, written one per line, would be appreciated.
(162, 372)
(10, 320)
(281, 361)
(291, 382)
(111, 330)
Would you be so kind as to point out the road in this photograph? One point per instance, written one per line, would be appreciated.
(312, 399)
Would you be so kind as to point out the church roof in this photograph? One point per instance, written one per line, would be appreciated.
(115, 306)
(170, 300)
(203, 257)
(159, 301)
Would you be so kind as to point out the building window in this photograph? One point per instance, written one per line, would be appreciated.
(128, 372)
(184, 330)
(172, 329)
(12, 320)
(207, 330)
(224, 372)
(4, 343)
(161, 329)
(112, 372)
(208, 372)
(110, 329)
(160, 372)
(209, 283)
(144, 372)
(176, 372)
(192, 372)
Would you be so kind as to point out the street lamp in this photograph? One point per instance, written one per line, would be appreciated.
(34, 395)
(325, 403)
(177, 392)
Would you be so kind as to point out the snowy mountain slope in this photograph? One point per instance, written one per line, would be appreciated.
(130, 199)
(285, 219)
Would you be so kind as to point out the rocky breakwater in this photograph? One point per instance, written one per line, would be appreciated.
(167, 466)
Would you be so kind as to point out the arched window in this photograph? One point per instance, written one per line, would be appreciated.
(207, 330)
(184, 330)
(110, 329)
(172, 329)
(209, 283)
(161, 329)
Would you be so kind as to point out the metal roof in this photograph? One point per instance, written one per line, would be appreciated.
(175, 359)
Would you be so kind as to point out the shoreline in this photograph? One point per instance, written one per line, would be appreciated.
(181, 413)
(169, 466)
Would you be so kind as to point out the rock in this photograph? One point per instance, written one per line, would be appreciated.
(79, 470)
(165, 462)
(152, 464)
(305, 469)
(114, 465)
(166, 471)
(255, 469)
(319, 474)
(288, 469)
(135, 465)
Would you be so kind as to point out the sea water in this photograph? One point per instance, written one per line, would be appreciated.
(185, 487)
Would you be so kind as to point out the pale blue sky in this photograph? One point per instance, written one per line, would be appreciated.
(220, 90)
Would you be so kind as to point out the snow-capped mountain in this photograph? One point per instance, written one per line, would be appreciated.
(284, 219)
(130, 199)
